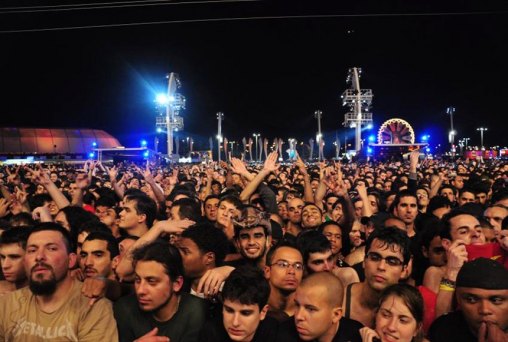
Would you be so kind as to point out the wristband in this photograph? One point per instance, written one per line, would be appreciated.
(447, 288)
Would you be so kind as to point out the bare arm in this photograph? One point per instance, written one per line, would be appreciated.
(308, 195)
(269, 166)
(125, 269)
(40, 176)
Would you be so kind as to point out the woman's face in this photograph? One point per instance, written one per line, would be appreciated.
(355, 236)
(334, 235)
(394, 321)
(337, 212)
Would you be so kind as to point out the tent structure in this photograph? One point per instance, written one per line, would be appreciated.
(14, 140)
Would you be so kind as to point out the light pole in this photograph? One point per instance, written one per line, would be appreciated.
(256, 136)
(481, 130)
(451, 136)
(318, 114)
(466, 140)
(220, 117)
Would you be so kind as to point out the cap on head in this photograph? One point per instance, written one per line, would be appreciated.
(483, 273)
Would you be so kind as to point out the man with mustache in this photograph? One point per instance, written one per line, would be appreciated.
(52, 307)
(97, 254)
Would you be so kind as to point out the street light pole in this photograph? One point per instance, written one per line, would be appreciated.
(317, 115)
(220, 117)
(451, 137)
(481, 130)
(256, 136)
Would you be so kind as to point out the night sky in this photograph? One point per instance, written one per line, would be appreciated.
(266, 75)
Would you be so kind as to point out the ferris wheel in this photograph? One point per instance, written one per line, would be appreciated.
(396, 131)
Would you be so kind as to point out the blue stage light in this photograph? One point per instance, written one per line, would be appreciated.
(91, 155)
(143, 142)
(372, 138)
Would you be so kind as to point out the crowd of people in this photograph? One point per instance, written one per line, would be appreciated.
(235, 251)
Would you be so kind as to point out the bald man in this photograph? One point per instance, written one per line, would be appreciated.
(318, 315)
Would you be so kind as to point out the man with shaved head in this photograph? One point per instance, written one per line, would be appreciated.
(318, 315)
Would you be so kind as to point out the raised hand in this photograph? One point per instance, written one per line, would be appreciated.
(271, 162)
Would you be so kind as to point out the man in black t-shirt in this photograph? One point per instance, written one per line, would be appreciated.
(482, 294)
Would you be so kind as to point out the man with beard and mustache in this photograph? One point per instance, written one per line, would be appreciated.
(52, 307)
(97, 254)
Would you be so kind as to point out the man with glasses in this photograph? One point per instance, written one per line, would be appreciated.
(387, 255)
(284, 272)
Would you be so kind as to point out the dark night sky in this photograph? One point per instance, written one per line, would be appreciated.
(267, 75)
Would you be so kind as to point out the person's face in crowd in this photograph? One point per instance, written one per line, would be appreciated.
(358, 209)
(280, 195)
(440, 212)
(379, 186)
(47, 261)
(153, 286)
(129, 218)
(315, 316)
(285, 278)
(283, 210)
(194, 261)
(320, 262)
(237, 180)
(389, 200)
(241, 320)
(72, 189)
(40, 190)
(253, 243)
(295, 207)
(465, 227)
(495, 216)
(81, 239)
(215, 189)
(448, 193)
(53, 208)
(407, 209)
(226, 212)
(333, 233)
(11, 257)
(458, 182)
(337, 212)
(481, 305)
(211, 207)
(387, 186)
(423, 198)
(106, 215)
(311, 216)
(373, 204)
(53, 177)
(124, 246)
(330, 201)
(466, 197)
(481, 198)
(355, 235)
(175, 213)
(394, 321)
(490, 234)
(134, 183)
(383, 265)
(436, 254)
(95, 259)
(61, 219)
(167, 210)
(314, 184)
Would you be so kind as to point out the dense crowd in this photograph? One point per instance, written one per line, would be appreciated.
(236, 251)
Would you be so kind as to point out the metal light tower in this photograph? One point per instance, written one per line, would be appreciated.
(318, 114)
(173, 103)
(481, 130)
(256, 136)
(220, 117)
(359, 101)
(451, 136)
